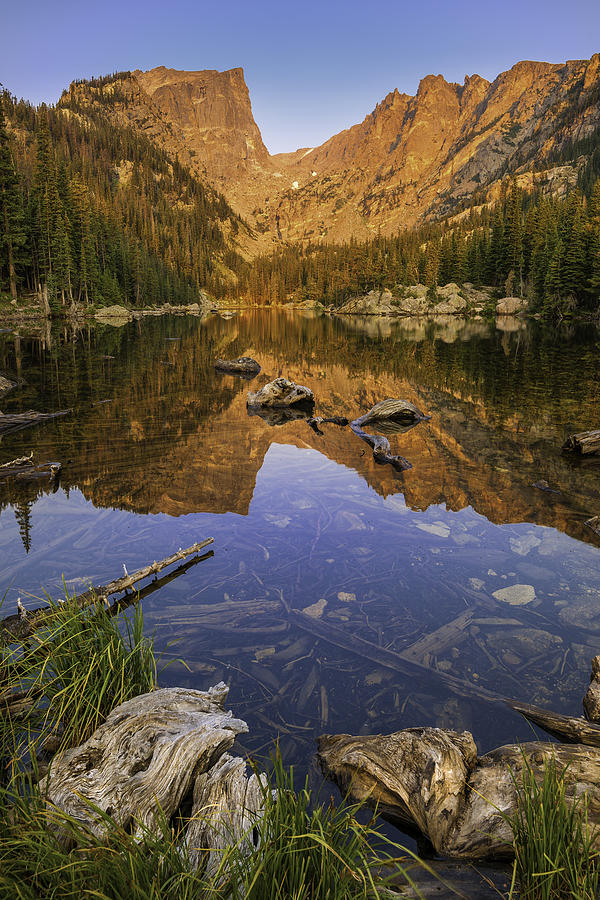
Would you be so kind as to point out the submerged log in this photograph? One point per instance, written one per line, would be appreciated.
(315, 421)
(584, 442)
(591, 701)
(432, 780)
(25, 469)
(143, 761)
(281, 392)
(244, 366)
(10, 422)
(19, 626)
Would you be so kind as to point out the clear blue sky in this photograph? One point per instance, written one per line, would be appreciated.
(313, 68)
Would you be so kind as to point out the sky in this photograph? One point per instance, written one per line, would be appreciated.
(313, 68)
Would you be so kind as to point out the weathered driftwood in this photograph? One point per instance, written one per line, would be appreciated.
(25, 469)
(568, 729)
(594, 524)
(432, 780)
(244, 366)
(145, 758)
(392, 409)
(281, 392)
(585, 442)
(19, 626)
(398, 411)
(591, 701)
(10, 422)
(315, 421)
(226, 806)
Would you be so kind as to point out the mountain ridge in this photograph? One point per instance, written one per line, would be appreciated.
(411, 160)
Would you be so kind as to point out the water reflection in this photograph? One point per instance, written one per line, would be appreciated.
(462, 565)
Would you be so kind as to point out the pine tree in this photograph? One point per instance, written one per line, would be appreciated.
(12, 225)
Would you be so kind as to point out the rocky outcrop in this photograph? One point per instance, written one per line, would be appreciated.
(418, 300)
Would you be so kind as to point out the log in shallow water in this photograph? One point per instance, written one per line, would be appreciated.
(18, 627)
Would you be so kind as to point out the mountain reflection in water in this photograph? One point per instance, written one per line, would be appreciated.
(503, 577)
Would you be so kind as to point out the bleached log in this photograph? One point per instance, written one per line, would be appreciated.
(145, 758)
(569, 729)
(392, 410)
(18, 627)
(227, 805)
(432, 780)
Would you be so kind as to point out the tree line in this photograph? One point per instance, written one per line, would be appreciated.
(528, 244)
(91, 212)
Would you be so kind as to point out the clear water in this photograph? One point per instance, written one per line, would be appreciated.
(160, 452)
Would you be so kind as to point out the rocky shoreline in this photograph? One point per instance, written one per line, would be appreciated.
(420, 300)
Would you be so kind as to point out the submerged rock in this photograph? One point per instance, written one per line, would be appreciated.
(244, 365)
(281, 393)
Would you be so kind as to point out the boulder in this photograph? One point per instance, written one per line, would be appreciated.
(244, 365)
(113, 315)
(509, 306)
(281, 393)
(413, 306)
(5, 385)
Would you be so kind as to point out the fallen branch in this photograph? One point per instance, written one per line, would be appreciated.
(16, 421)
(18, 627)
(387, 658)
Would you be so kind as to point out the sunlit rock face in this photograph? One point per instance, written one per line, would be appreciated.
(411, 159)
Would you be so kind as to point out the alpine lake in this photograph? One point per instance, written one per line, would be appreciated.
(474, 569)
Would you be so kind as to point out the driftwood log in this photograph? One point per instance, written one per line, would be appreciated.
(25, 469)
(281, 392)
(594, 524)
(226, 806)
(315, 421)
(19, 626)
(585, 442)
(10, 422)
(432, 781)
(399, 412)
(244, 366)
(152, 754)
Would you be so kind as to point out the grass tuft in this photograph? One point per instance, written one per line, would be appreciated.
(555, 853)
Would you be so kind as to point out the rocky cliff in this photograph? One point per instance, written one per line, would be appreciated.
(410, 160)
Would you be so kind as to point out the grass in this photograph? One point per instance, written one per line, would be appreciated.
(555, 856)
(305, 851)
(78, 668)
